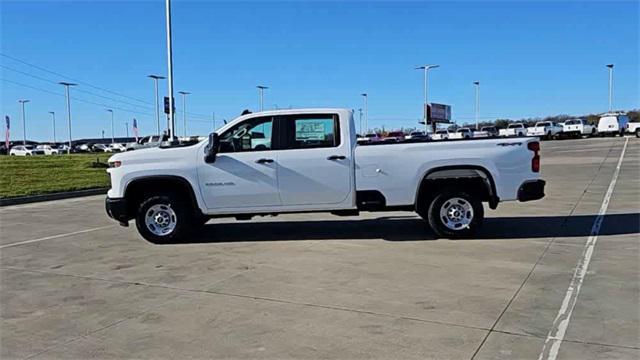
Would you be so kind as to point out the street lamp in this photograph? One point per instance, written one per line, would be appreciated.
(155, 82)
(477, 84)
(261, 91)
(366, 111)
(610, 66)
(112, 127)
(361, 133)
(24, 128)
(184, 110)
(126, 127)
(66, 88)
(53, 116)
(426, 77)
(170, 70)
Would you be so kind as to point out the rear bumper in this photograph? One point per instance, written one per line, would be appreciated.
(531, 190)
(117, 210)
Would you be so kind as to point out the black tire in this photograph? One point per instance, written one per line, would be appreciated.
(437, 223)
(183, 218)
(638, 133)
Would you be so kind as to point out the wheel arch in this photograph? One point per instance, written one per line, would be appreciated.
(444, 176)
(136, 189)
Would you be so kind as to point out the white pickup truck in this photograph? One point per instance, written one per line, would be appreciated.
(517, 129)
(311, 162)
(576, 128)
(545, 130)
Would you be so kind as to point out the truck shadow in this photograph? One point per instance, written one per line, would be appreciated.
(412, 228)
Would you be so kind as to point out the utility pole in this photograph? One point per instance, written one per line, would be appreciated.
(126, 126)
(477, 84)
(361, 132)
(261, 89)
(112, 127)
(53, 116)
(172, 133)
(184, 110)
(610, 66)
(426, 106)
(155, 81)
(366, 112)
(24, 128)
(213, 119)
(66, 88)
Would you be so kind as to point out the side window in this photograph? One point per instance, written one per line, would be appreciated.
(250, 135)
(312, 131)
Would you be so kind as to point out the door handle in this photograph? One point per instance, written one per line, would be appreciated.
(336, 157)
(264, 161)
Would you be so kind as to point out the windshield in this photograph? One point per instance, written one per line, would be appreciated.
(572, 122)
(28, 147)
(514, 126)
(371, 135)
(543, 124)
(441, 132)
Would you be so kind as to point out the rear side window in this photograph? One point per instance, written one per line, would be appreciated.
(311, 131)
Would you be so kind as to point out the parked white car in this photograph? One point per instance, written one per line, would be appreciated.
(576, 128)
(462, 133)
(48, 150)
(634, 128)
(416, 135)
(25, 150)
(314, 164)
(517, 129)
(440, 135)
(372, 137)
(613, 124)
(545, 130)
(115, 147)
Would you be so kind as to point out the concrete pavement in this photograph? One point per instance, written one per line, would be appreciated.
(76, 285)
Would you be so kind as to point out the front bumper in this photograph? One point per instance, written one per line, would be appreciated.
(117, 210)
(531, 190)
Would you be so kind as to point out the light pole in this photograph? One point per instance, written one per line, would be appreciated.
(24, 128)
(155, 82)
(53, 116)
(261, 89)
(170, 70)
(426, 77)
(126, 127)
(366, 112)
(361, 133)
(184, 110)
(113, 139)
(66, 88)
(610, 66)
(477, 84)
(213, 119)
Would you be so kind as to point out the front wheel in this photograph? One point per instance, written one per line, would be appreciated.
(455, 214)
(163, 219)
(638, 132)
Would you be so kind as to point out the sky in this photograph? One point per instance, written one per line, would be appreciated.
(532, 59)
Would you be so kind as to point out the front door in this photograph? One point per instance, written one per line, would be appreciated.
(314, 164)
(244, 172)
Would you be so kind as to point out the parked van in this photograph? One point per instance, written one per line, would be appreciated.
(613, 124)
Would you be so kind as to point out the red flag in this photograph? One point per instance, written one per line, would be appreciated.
(135, 129)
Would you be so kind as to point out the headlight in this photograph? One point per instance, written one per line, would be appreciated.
(115, 164)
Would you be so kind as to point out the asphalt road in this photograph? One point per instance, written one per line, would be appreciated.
(76, 285)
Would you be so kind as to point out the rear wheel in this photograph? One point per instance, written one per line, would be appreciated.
(638, 132)
(455, 214)
(164, 218)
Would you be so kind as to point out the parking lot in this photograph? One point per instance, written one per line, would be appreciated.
(74, 284)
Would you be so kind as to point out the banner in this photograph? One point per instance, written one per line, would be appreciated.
(135, 129)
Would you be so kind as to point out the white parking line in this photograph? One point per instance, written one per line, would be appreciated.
(561, 323)
(54, 237)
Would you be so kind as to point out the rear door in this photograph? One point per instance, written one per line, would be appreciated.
(315, 162)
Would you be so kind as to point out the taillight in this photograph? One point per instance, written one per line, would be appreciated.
(535, 161)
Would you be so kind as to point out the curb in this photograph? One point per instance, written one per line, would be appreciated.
(53, 196)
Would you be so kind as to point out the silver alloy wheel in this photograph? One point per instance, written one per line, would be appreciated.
(160, 219)
(456, 213)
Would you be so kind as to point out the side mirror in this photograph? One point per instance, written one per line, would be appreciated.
(212, 149)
